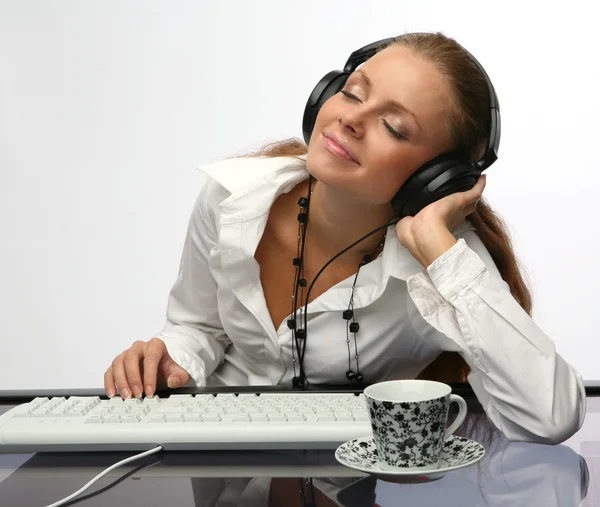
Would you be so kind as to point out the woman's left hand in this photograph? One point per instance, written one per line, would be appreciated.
(428, 235)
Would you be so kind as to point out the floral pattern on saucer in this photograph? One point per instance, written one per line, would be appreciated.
(361, 454)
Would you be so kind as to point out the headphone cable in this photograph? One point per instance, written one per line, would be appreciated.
(301, 357)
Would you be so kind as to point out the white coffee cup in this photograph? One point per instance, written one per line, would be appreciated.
(409, 418)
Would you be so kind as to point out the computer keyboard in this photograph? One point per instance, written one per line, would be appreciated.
(291, 420)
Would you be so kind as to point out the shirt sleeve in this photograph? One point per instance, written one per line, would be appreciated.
(526, 388)
(193, 332)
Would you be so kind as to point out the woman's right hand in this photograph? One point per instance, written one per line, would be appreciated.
(141, 369)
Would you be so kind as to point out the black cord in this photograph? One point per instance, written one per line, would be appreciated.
(297, 275)
(351, 308)
(301, 355)
(301, 271)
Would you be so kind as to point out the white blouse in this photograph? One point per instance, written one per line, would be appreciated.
(220, 331)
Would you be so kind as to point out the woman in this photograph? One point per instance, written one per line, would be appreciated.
(438, 296)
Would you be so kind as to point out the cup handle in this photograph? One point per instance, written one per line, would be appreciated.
(462, 413)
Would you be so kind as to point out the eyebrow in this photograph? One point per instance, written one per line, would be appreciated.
(394, 103)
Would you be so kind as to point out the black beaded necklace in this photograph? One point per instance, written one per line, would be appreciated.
(299, 332)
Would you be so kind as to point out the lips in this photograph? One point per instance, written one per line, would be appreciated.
(340, 145)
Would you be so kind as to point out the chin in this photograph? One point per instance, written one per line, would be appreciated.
(334, 176)
(322, 168)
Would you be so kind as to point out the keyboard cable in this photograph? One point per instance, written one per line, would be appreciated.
(102, 474)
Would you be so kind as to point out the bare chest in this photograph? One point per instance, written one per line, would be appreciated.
(275, 255)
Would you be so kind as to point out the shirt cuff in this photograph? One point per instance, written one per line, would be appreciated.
(455, 269)
(445, 278)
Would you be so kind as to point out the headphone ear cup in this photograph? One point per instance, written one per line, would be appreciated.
(444, 175)
(332, 83)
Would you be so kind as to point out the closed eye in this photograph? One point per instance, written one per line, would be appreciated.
(350, 95)
(395, 133)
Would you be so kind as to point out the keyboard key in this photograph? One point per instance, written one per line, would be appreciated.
(164, 407)
(249, 397)
(74, 412)
(38, 401)
(140, 410)
(192, 418)
(323, 418)
(259, 418)
(131, 418)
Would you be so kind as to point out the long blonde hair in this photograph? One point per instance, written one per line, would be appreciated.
(469, 127)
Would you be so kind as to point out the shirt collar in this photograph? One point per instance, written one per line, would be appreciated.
(255, 182)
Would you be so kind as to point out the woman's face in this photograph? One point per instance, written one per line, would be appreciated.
(392, 115)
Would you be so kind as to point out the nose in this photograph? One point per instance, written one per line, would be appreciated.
(352, 121)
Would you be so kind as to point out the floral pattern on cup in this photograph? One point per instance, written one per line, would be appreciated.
(410, 434)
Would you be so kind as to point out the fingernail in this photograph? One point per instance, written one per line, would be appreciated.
(149, 391)
(126, 393)
(111, 394)
(137, 392)
(173, 382)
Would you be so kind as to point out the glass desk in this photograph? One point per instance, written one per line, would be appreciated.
(510, 474)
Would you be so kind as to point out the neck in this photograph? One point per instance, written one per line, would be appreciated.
(337, 220)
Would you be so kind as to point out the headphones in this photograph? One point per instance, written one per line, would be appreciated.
(444, 175)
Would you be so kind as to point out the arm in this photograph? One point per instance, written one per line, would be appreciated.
(528, 390)
(193, 332)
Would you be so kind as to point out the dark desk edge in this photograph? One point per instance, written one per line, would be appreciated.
(26, 395)
(592, 388)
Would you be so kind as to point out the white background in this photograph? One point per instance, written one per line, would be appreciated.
(107, 108)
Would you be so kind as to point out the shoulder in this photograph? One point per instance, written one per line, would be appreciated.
(235, 174)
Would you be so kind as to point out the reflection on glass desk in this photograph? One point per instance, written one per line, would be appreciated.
(510, 474)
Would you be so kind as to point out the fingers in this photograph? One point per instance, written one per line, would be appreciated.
(141, 368)
(468, 199)
(117, 371)
(116, 374)
(480, 185)
(109, 383)
(174, 374)
(155, 352)
(131, 363)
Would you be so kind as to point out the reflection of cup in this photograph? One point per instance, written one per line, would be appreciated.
(408, 418)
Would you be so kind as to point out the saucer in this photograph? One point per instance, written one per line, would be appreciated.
(457, 452)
